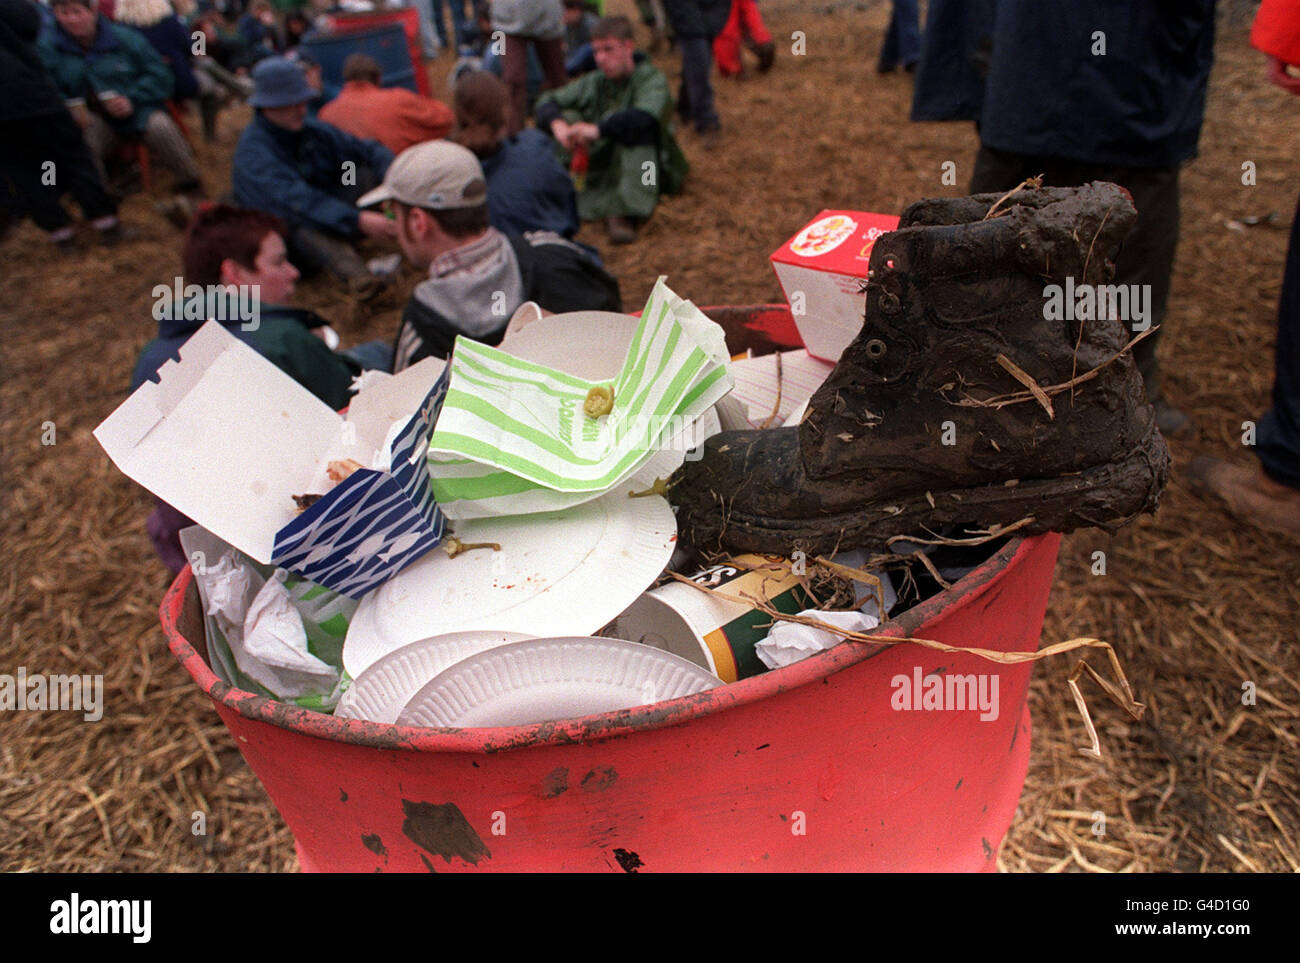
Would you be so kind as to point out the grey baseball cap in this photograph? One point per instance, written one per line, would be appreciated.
(437, 175)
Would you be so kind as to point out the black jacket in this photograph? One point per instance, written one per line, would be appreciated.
(1052, 91)
(697, 18)
(25, 86)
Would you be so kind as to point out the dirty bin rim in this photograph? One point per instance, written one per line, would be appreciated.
(582, 729)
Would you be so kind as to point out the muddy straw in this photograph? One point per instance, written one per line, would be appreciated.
(1023, 376)
(1029, 183)
(776, 405)
(1039, 393)
(1195, 603)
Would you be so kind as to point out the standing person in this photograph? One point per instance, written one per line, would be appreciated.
(745, 24)
(621, 116)
(696, 23)
(477, 276)
(431, 40)
(954, 60)
(539, 23)
(36, 130)
(1103, 90)
(902, 46)
(119, 87)
(308, 174)
(464, 35)
(528, 187)
(1269, 495)
(656, 21)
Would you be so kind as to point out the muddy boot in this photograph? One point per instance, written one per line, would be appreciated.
(926, 424)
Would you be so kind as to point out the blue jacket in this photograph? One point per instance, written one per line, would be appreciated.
(528, 187)
(1140, 104)
(298, 175)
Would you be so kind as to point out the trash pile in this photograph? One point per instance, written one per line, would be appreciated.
(492, 540)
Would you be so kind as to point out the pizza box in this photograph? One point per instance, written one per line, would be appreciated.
(227, 438)
(823, 269)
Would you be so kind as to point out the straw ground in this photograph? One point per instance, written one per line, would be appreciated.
(1196, 604)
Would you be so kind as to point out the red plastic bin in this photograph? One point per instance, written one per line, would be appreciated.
(809, 767)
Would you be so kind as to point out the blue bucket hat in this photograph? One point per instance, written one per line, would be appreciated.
(279, 83)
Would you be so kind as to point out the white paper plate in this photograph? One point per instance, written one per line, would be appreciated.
(546, 679)
(586, 344)
(560, 573)
(387, 685)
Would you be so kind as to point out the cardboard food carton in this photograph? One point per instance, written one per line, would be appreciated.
(228, 438)
(823, 269)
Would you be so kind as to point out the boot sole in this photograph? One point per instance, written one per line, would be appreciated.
(1107, 496)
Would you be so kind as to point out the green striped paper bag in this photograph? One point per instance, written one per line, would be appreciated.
(513, 438)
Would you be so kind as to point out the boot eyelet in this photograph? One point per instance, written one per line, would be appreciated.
(876, 349)
(889, 302)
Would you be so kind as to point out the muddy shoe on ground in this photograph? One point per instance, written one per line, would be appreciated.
(929, 423)
(1249, 494)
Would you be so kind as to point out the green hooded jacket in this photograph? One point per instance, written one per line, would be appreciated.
(622, 180)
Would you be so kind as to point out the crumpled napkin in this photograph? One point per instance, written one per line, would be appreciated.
(790, 642)
(270, 631)
(273, 647)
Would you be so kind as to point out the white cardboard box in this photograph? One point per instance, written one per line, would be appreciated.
(822, 270)
(227, 438)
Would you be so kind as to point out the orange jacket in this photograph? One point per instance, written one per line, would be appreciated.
(394, 116)
(1277, 30)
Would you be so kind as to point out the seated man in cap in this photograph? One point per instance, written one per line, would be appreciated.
(477, 275)
(308, 174)
(116, 86)
(396, 117)
(621, 115)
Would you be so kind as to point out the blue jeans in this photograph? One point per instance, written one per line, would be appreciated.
(462, 24)
(580, 61)
(903, 38)
(695, 102)
(1277, 437)
(371, 355)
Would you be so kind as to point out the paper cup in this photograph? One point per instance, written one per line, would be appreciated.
(712, 632)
